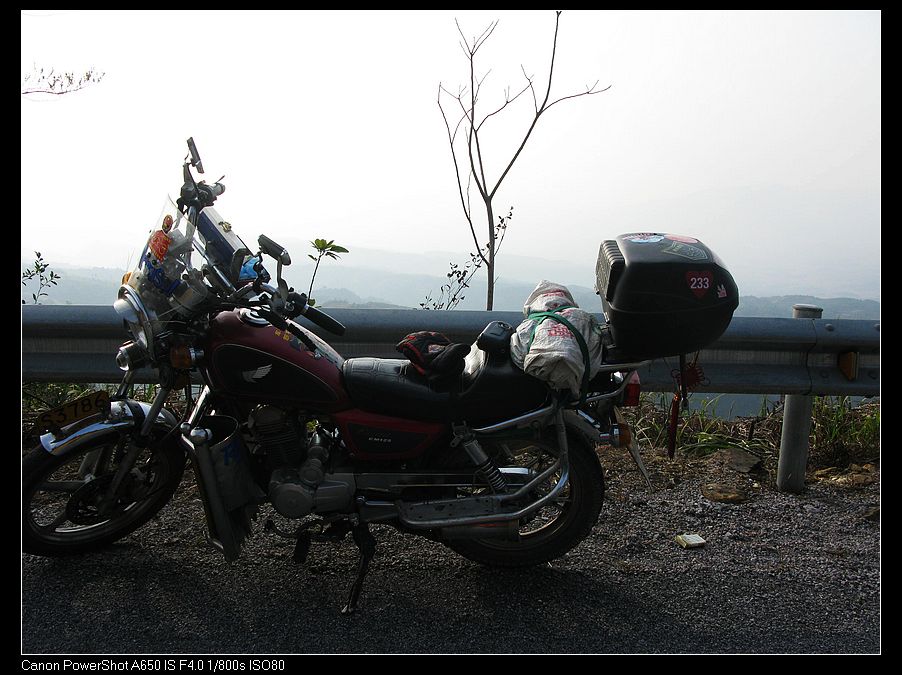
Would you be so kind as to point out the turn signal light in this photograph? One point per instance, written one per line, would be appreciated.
(184, 357)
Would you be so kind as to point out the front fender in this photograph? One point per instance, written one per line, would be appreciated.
(122, 418)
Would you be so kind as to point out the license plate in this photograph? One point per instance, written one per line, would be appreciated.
(74, 411)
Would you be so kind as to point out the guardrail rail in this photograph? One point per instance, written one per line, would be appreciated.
(799, 357)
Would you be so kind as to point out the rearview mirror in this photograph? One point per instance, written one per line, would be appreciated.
(195, 156)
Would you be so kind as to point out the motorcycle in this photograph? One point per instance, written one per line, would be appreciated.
(490, 461)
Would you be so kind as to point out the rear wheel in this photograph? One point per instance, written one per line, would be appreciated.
(63, 510)
(558, 526)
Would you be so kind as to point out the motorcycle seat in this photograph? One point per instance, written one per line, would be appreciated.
(490, 389)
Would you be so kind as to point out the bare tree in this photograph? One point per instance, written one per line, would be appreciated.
(52, 82)
(467, 130)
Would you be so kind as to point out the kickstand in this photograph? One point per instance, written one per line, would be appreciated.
(302, 547)
(367, 546)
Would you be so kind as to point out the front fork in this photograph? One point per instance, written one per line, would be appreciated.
(140, 438)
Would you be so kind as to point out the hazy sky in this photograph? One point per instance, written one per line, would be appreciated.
(758, 132)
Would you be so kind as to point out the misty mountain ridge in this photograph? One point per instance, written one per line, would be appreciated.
(340, 284)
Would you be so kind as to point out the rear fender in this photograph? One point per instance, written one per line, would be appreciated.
(125, 415)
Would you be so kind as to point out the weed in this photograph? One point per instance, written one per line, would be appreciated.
(841, 433)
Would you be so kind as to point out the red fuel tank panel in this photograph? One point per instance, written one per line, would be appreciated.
(252, 359)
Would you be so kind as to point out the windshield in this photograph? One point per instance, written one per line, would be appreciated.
(183, 267)
(157, 278)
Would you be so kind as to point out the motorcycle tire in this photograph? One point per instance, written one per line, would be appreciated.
(60, 494)
(542, 537)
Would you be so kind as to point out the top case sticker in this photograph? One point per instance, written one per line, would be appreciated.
(644, 238)
(685, 251)
(685, 240)
(699, 282)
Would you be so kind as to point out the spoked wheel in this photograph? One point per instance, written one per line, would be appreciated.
(558, 526)
(66, 505)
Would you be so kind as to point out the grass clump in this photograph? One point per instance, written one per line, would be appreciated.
(842, 433)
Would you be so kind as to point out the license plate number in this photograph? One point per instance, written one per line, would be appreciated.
(73, 411)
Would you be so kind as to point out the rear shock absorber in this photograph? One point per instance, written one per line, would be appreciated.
(484, 464)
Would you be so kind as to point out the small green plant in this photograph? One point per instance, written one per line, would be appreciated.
(843, 433)
(39, 271)
(700, 432)
(324, 249)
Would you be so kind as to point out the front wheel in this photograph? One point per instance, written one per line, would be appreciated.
(558, 526)
(65, 509)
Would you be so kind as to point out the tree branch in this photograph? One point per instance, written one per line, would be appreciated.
(477, 172)
(472, 118)
(463, 202)
(59, 83)
(535, 102)
(589, 92)
(545, 105)
(507, 102)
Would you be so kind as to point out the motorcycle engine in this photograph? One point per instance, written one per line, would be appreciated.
(298, 483)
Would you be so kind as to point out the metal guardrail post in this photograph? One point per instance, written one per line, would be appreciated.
(796, 426)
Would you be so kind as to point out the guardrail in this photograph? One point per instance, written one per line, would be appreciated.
(78, 343)
(800, 357)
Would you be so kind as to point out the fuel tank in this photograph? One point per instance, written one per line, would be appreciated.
(248, 357)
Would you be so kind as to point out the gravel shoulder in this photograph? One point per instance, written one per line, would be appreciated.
(778, 573)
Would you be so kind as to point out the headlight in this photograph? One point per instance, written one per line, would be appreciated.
(131, 356)
(131, 309)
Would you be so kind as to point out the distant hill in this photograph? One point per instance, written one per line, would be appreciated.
(345, 299)
(834, 308)
(343, 285)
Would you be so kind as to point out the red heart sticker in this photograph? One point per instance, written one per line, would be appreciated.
(699, 282)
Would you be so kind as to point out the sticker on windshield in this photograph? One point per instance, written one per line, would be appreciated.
(159, 244)
(167, 223)
(158, 278)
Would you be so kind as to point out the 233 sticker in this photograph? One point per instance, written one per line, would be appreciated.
(699, 282)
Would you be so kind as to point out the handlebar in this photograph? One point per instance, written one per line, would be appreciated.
(317, 316)
(207, 194)
(323, 320)
(198, 195)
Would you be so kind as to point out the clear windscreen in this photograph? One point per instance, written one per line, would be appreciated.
(164, 277)
(183, 264)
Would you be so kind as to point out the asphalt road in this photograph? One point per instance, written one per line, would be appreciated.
(779, 574)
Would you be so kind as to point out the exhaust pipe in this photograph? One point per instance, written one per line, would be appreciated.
(507, 530)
